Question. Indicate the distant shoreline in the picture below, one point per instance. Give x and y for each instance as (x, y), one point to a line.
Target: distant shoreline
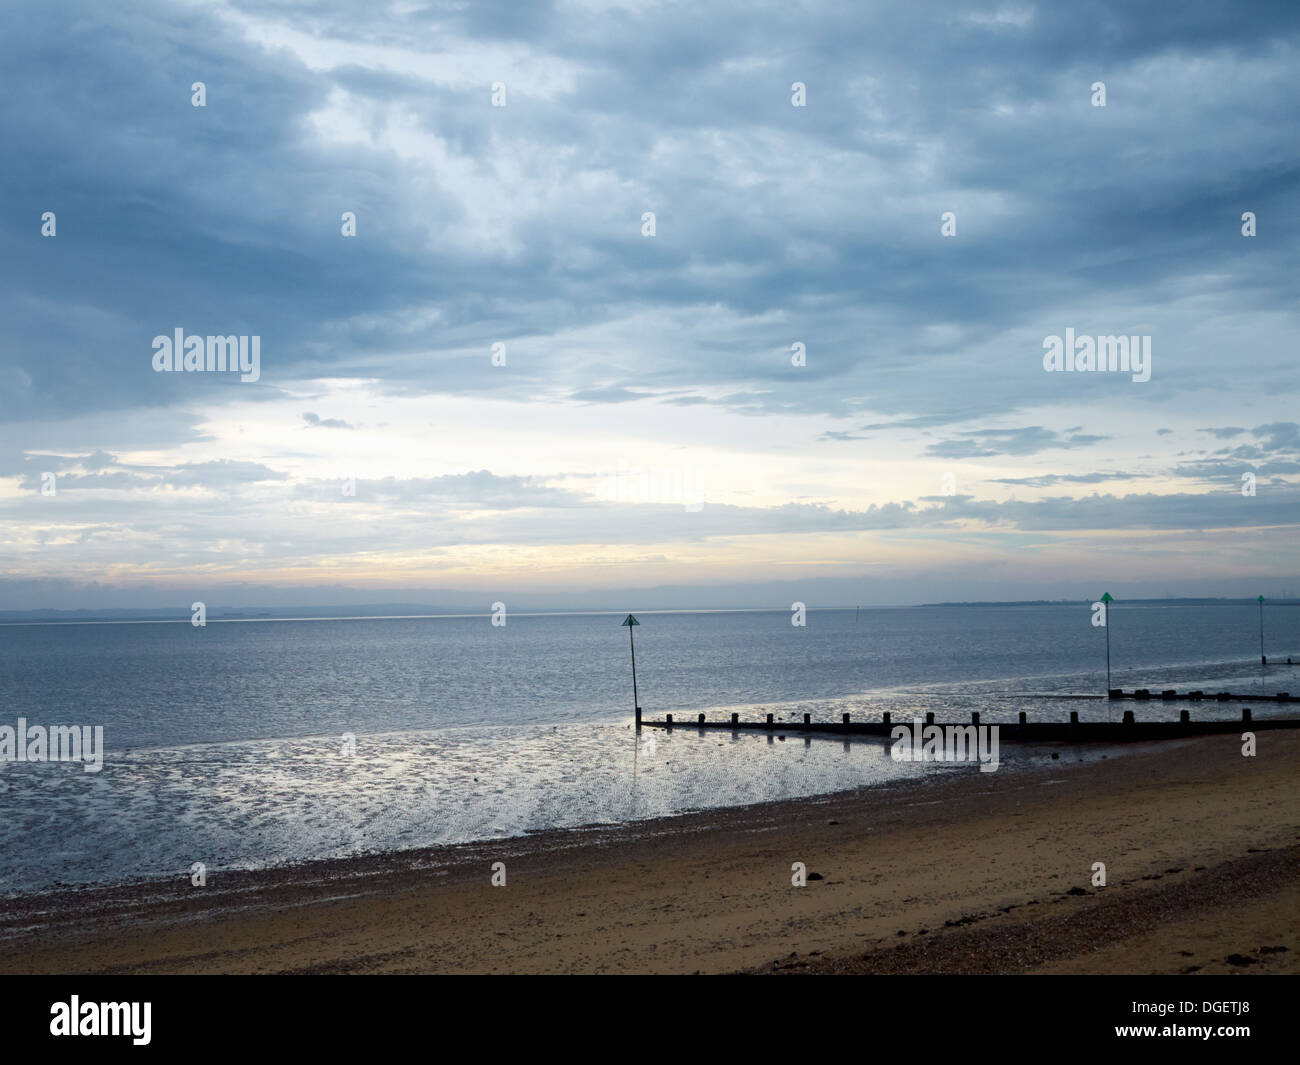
(405, 612)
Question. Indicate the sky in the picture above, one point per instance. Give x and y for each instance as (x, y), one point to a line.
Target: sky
(680, 304)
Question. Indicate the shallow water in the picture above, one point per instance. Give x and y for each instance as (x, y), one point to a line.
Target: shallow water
(226, 745)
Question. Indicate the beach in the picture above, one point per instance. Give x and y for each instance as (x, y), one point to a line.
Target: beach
(964, 872)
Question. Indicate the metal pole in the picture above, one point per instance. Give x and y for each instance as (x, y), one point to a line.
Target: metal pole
(636, 703)
(1108, 650)
(1262, 660)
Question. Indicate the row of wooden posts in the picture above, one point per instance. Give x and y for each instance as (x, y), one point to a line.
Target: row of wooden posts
(887, 720)
(1112, 693)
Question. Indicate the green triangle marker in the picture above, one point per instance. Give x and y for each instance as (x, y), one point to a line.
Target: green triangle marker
(1105, 597)
(630, 620)
(1261, 599)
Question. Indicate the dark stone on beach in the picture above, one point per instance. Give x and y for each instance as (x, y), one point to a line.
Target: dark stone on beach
(1241, 959)
(815, 876)
(1055, 756)
(832, 822)
(970, 918)
(1271, 950)
(1077, 891)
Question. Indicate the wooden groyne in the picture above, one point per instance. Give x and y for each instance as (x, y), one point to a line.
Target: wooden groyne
(1023, 730)
(1169, 695)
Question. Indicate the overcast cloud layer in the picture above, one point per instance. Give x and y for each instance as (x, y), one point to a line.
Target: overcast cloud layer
(649, 427)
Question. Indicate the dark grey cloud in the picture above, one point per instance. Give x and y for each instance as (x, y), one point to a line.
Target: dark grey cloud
(818, 223)
(1274, 453)
(981, 443)
(1279, 436)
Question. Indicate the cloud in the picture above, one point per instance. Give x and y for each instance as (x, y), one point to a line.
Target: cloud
(1050, 479)
(607, 395)
(315, 422)
(982, 443)
(521, 225)
(775, 222)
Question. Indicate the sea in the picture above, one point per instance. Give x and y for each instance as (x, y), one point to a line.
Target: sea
(248, 743)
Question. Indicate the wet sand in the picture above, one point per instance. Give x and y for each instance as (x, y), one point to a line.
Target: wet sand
(969, 872)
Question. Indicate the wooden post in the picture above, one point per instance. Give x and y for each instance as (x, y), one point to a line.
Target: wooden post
(1024, 718)
(887, 719)
(929, 718)
(807, 719)
(1074, 717)
(735, 720)
(846, 719)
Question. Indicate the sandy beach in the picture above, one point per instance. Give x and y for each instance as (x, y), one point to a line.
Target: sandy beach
(967, 873)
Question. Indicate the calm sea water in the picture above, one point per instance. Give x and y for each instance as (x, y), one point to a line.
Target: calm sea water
(225, 743)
